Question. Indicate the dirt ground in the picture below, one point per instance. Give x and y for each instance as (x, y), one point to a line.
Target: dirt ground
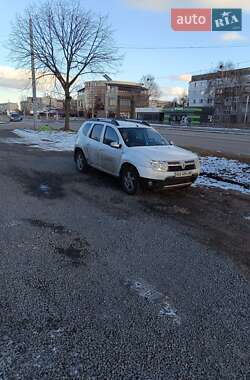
(219, 218)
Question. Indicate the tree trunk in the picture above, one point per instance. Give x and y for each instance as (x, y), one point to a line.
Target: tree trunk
(67, 110)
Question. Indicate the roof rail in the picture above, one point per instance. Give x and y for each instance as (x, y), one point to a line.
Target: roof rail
(106, 120)
(136, 121)
(116, 121)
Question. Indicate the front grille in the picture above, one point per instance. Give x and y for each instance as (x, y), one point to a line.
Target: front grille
(179, 181)
(178, 167)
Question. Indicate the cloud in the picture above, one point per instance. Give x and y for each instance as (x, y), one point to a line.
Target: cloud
(164, 5)
(12, 78)
(169, 93)
(233, 36)
(181, 78)
(19, 79)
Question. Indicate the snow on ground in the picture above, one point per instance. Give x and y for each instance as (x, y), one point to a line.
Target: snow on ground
(216, 172)
(56, 141)
(225, 174)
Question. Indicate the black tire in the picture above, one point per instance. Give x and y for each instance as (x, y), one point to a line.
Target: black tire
(81, 162)
(130, 180)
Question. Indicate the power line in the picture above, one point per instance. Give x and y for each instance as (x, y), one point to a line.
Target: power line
(181, 47)
(172, 77)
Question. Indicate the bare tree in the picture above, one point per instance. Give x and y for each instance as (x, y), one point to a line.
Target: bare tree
(224, 66)
(149, 82)
(183, 99)
(69, 42)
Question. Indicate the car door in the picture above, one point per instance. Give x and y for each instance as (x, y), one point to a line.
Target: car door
(94, 145)
(110, 157)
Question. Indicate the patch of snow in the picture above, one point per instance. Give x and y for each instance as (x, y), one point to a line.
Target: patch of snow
(225, 174)
(44, 188)
(53, 141)
(152, 295)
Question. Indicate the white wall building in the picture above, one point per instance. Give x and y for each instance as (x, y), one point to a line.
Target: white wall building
(8, 107)
(201, 93)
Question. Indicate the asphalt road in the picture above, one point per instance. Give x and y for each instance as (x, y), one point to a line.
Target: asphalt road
(229, 143)
(99, 285)
(232, 142)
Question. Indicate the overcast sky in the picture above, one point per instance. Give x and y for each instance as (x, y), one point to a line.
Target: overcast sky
(144, 23)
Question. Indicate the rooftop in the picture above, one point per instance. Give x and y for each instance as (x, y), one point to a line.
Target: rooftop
(223, 73)
(114, 83)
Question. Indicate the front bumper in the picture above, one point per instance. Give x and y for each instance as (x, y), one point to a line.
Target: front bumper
(169, 182)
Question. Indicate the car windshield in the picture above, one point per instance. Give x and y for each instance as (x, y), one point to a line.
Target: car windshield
(142, 137)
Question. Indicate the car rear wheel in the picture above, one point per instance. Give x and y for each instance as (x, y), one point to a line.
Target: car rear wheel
(81, 162)
(130, 180)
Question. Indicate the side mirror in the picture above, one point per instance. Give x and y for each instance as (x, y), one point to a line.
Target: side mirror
(115, 145)
(171, 142)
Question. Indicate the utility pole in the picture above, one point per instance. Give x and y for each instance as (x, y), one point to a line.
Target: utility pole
(246, 111)
(33, 74)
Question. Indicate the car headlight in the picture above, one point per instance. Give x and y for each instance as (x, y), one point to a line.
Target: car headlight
(197, 164)
(160, 166)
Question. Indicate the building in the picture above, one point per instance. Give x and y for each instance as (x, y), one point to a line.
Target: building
(157, 103)
(201, 92)
(150, 114)
(227, 92)
(46, 104)
(111, 98)
(174, 115)
(6, 108)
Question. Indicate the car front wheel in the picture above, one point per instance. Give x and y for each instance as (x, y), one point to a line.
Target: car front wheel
(130, 180)
(81, 162)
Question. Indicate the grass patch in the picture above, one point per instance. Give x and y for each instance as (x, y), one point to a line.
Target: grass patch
(45, 128)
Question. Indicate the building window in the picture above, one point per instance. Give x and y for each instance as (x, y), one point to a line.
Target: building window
(112, 102)
(125, 102)
(201, 100)
(194, 101)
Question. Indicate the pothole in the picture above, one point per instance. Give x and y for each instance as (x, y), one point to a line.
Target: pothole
(76, 251)
(63, 241)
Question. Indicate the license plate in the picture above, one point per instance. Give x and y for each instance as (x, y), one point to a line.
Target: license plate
(185, 173)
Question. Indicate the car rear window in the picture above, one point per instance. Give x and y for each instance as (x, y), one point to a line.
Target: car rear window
(86, 128)
(96, 132)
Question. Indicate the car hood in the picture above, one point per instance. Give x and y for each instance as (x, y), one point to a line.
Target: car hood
(162, 153)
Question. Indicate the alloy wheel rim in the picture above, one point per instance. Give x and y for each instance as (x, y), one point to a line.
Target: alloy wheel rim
(129, 181)
(80, 162)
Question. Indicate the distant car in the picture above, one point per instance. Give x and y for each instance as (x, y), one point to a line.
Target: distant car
(136, 153)
(14, 116)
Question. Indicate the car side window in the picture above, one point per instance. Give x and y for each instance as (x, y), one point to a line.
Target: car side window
(96, 132)
(86, 128)
(110, 136)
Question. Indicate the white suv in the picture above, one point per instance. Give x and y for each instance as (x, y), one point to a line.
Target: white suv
(134, 152)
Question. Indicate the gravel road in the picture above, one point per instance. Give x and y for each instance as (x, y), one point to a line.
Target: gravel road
(99, 285)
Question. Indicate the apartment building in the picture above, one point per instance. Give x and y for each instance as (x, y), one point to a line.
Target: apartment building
(47, 103)
(111, 98)
(227, 92)
(6, 108)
